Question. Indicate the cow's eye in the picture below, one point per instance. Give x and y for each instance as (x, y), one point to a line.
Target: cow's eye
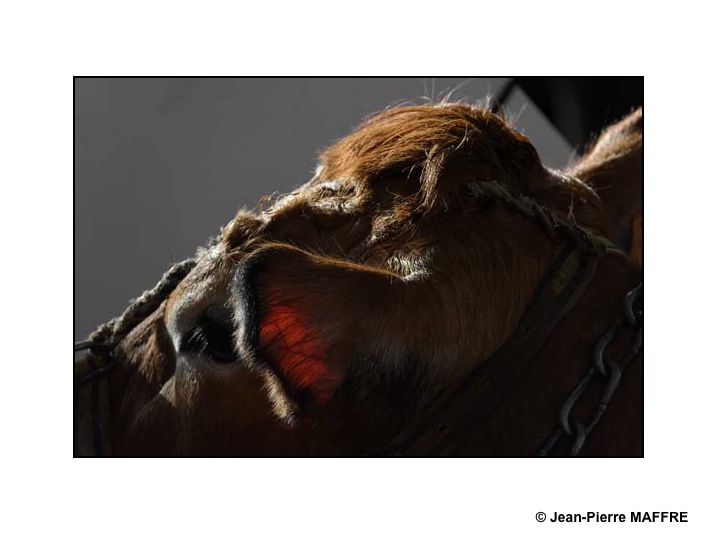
(212, 335)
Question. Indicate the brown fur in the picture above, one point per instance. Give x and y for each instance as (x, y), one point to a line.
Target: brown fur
(393, 282)
(614, 168)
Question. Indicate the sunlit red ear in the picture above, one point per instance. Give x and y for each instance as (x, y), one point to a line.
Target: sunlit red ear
(303, 314)
(291, 340)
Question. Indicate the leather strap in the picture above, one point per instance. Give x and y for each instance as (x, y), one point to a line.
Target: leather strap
(91, 434)
(456, 413)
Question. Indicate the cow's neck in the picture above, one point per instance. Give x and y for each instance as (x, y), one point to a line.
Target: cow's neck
(529, 412)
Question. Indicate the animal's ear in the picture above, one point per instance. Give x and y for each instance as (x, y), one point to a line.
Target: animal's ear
(305, 314)
(614, 168)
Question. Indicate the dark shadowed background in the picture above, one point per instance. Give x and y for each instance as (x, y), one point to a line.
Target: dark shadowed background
(162, 163)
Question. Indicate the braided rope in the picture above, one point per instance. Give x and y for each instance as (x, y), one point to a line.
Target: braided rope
(554, 225)
(108, 334)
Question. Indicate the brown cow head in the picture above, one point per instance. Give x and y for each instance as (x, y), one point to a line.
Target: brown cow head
(321, 324)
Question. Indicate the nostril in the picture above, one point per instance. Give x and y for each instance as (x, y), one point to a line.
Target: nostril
(212, 335)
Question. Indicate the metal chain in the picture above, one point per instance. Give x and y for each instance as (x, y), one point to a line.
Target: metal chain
(601, 369)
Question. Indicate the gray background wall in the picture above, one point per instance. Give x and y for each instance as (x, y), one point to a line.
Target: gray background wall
(161, 164)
